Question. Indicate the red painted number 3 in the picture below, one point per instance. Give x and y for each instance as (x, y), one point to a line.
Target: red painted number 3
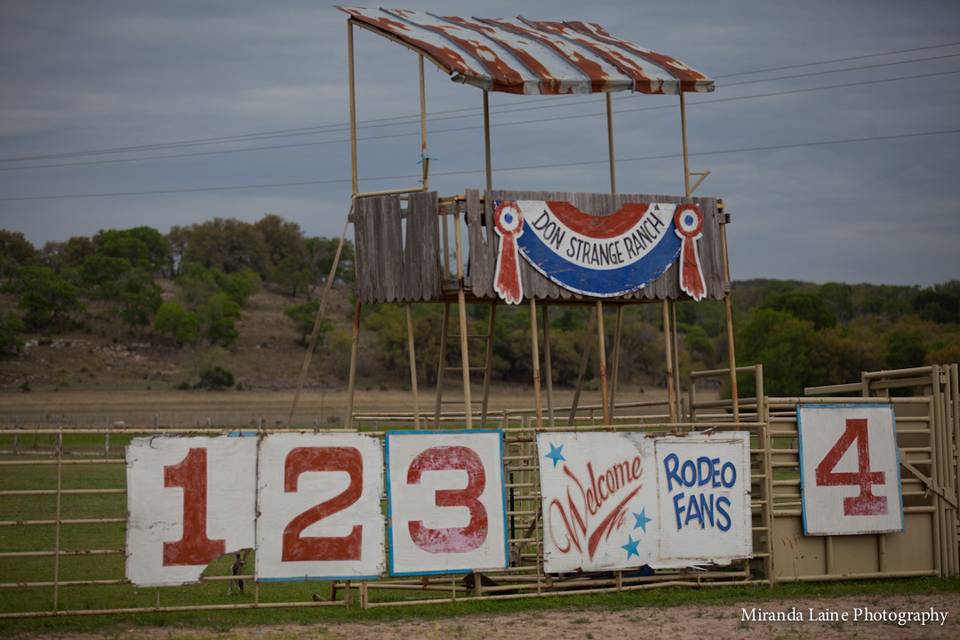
(452, 539)
(864, 503)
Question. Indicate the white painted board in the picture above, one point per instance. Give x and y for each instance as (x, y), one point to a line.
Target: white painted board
(190, 500)
(850, 469)
(599, 497)
(704, 498)
(619, 501)
(318, 503)
(446, 501)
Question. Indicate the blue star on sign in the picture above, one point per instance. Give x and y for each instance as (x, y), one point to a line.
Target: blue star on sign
(642, 520)
(555, 454)
(631, 547)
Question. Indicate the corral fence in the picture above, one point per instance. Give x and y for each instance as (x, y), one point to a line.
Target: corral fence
(63, 508)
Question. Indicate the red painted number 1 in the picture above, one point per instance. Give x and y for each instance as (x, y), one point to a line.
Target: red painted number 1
(193, 547)
(864, 503)
(452, 539)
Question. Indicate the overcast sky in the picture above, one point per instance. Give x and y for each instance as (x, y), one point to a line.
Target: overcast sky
(89, 76)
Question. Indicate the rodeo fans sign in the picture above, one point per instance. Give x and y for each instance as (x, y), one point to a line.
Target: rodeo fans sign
(602, 256)
(310, 504)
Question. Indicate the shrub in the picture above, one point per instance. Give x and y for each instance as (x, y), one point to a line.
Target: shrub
(215, 378)
(175, 322)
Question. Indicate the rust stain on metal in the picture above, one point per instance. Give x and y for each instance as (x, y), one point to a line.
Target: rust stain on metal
(533, 57)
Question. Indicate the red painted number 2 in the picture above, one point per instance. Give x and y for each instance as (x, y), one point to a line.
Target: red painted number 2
(864, 503)
(193, 547)
(303, 460)
(452, 539)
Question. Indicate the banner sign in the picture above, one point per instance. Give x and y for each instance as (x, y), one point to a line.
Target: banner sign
(601, 256)
(849, 469)
(318, 503)
(190, 501)
(445, 496)
(614, 501)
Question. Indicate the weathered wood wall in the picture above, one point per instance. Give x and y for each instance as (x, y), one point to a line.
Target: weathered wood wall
(397, 264)
(483, 246)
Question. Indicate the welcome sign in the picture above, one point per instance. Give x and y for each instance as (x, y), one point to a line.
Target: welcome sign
(602, 256)
(615, 501)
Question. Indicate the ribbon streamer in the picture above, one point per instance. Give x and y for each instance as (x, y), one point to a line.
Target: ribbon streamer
(688, 225)
(508, 223)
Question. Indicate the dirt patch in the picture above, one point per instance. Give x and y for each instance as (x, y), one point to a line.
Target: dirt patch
(688, 622)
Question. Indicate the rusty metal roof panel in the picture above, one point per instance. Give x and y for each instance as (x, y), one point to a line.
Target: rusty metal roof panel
(533, 57)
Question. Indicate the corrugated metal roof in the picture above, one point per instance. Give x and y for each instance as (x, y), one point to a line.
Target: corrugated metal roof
(526, 56)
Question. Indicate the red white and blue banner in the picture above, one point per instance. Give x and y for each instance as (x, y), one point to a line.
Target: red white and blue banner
(600, 256)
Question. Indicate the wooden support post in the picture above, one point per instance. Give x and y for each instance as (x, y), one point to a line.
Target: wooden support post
(584, 360)
(424, 158)
(610, 150)
(487, 363)
(354, 349)
(411, 350)
(728, 308)
(488, 162)
(315, 332)
(547, 362)
(615, 374)
(535, 356)
(602, 353)
(354, 180)
(442, 363)
(668, 351)
(675, 345)
(462, 312)
(59, 512)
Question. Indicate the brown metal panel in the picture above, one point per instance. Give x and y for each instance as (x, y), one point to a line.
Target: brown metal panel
(855, 554)
(912, 549)
(796, 555)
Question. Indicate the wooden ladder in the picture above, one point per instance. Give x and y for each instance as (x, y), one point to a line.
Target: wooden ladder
(464, 335)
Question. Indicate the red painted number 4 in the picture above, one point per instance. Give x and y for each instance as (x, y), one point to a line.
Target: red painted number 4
(864, 503)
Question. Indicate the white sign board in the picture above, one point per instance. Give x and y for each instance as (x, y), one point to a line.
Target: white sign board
(599, 494)
(318, 500)
(849, 469)
(445, 496)
(190, 501)
(623, 500)
(704, 490)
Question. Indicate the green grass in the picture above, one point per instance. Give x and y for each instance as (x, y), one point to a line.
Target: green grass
(666, 597)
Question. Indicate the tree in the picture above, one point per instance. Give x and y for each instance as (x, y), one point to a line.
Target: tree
(175, 322)
(10, 328)
(45, 297)
(15, 251)
(787, 348)
(283, 239)
(940, 303)
(218, 317)
(803, 306)
(303, 317)
(905, 347)
(69, 254)
(229, 245)
(101, 274)
(139, 298)
(142, 247)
